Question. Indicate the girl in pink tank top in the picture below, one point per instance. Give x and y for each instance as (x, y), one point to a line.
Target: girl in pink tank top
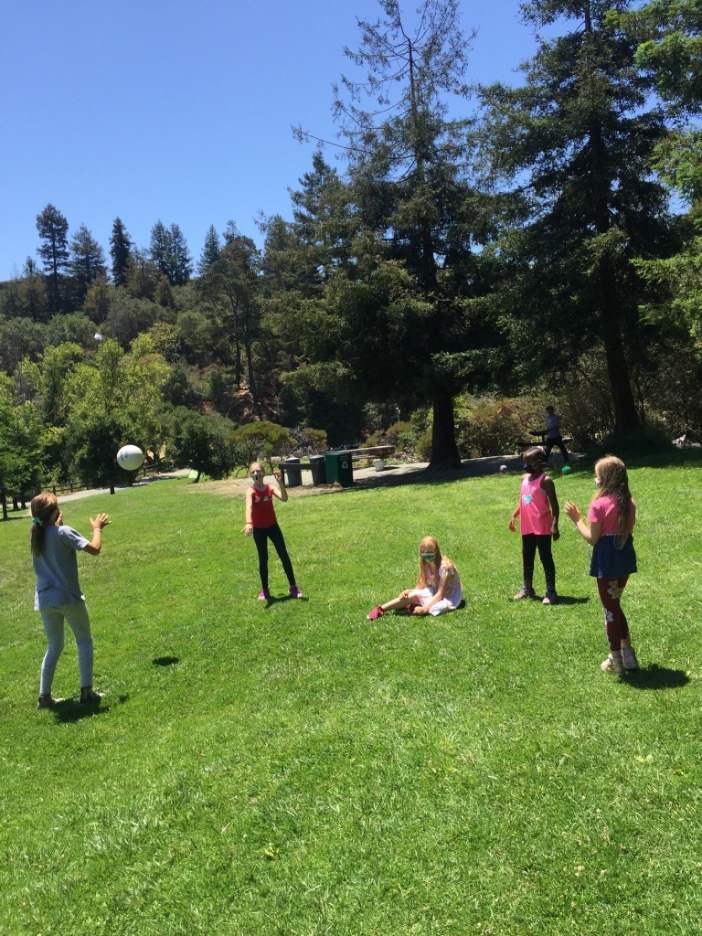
(537, 511)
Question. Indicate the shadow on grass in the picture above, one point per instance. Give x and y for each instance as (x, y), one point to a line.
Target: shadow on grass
(69, 710)
(165, 661)
(282, 599)
(656, 677)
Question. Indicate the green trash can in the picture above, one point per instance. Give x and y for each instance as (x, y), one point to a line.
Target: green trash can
(338, 468)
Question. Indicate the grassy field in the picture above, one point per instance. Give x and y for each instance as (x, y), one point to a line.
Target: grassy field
(298, 770)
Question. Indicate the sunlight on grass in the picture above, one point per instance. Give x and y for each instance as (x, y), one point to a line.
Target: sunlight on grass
(298, 770)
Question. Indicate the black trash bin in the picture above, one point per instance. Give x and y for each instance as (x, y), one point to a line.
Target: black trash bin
(339, 468)
(319, 473)
(293, 472)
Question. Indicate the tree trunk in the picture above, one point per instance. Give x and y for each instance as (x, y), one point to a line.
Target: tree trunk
(626, 418)
(444, 451)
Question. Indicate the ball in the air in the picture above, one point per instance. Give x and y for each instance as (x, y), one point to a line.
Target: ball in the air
(503, 469)
(566, 469)
(130, 457)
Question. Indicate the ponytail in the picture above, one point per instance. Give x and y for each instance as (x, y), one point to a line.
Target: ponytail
(42, 507)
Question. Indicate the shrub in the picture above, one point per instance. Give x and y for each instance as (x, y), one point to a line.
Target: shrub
(258, 441)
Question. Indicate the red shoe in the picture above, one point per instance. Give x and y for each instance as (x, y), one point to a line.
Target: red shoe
(376, 613)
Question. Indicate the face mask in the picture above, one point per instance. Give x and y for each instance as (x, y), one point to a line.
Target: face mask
(256, 475)
(428, 557)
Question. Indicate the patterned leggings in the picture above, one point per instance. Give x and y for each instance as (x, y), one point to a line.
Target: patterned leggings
(616, 626)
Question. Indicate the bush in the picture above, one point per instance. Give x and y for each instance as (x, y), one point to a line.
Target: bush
(400, 434)
(492, 425)
(258, 441)
(202, 442)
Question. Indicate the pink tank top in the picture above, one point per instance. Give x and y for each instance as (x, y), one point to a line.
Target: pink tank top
(534, 508)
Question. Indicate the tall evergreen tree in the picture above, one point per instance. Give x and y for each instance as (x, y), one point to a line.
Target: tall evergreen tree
(120, 250)
(160, 248)
(578, 137)
(180, 264)
(232, 284)
(53, 231)
(410, 186)
(669, 33)
(87, 262)
(210, 250)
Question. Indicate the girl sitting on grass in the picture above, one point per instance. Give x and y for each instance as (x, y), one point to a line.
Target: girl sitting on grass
(261, 522)
(438, 587)
(58, 597)
(610, 521)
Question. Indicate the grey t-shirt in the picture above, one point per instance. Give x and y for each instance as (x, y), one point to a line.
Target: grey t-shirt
(57, 568)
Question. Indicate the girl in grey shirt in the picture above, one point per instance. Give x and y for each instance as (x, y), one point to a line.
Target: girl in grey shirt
(58, 597)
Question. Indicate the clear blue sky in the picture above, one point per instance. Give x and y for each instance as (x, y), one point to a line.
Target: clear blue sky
(180, 111)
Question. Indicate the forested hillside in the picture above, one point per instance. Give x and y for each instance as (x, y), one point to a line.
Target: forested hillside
(478, 251)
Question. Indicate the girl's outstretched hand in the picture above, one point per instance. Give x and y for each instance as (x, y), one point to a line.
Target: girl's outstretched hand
(572, 511)
(278, 475)
(97, 523)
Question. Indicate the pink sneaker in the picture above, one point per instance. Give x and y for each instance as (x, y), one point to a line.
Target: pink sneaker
(375, 613)
(295, 592)
(263, 596)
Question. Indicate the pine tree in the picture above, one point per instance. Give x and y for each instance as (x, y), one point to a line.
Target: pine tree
(120, 249)
(160, 248)
(210, 250)
(578, 138)
(53, 231)
(180, 264)
(87, 262)
(409, 185)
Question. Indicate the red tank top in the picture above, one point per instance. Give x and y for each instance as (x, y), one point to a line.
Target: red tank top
(262, 511)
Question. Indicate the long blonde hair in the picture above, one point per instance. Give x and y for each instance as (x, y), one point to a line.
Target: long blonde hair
(42, 507)
(429, 544)
(614, 481)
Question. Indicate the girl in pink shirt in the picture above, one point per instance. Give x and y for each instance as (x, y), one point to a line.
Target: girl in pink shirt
(537, 511)
(608, 529)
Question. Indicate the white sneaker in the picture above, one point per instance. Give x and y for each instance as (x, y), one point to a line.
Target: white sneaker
(629, 660)
(613, 663)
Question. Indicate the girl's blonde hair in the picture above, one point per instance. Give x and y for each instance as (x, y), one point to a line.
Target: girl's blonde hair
(429, 543)
(614, 481)
(42, 507)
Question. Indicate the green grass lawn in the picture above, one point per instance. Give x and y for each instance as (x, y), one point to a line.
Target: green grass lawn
(298, 770)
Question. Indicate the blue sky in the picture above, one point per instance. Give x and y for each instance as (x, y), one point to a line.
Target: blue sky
(180, 111)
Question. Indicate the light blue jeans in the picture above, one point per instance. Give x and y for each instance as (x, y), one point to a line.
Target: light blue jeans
(77, 616)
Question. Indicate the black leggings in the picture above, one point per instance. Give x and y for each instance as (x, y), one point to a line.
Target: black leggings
(530, 543)
(261, 536)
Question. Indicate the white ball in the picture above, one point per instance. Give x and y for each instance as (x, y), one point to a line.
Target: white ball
(503, 468)
(130, 457)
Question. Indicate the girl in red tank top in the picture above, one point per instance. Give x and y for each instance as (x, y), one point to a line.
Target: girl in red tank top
(537, 511)
(261, 523)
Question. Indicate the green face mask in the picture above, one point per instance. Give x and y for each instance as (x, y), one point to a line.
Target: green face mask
(428, 557)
